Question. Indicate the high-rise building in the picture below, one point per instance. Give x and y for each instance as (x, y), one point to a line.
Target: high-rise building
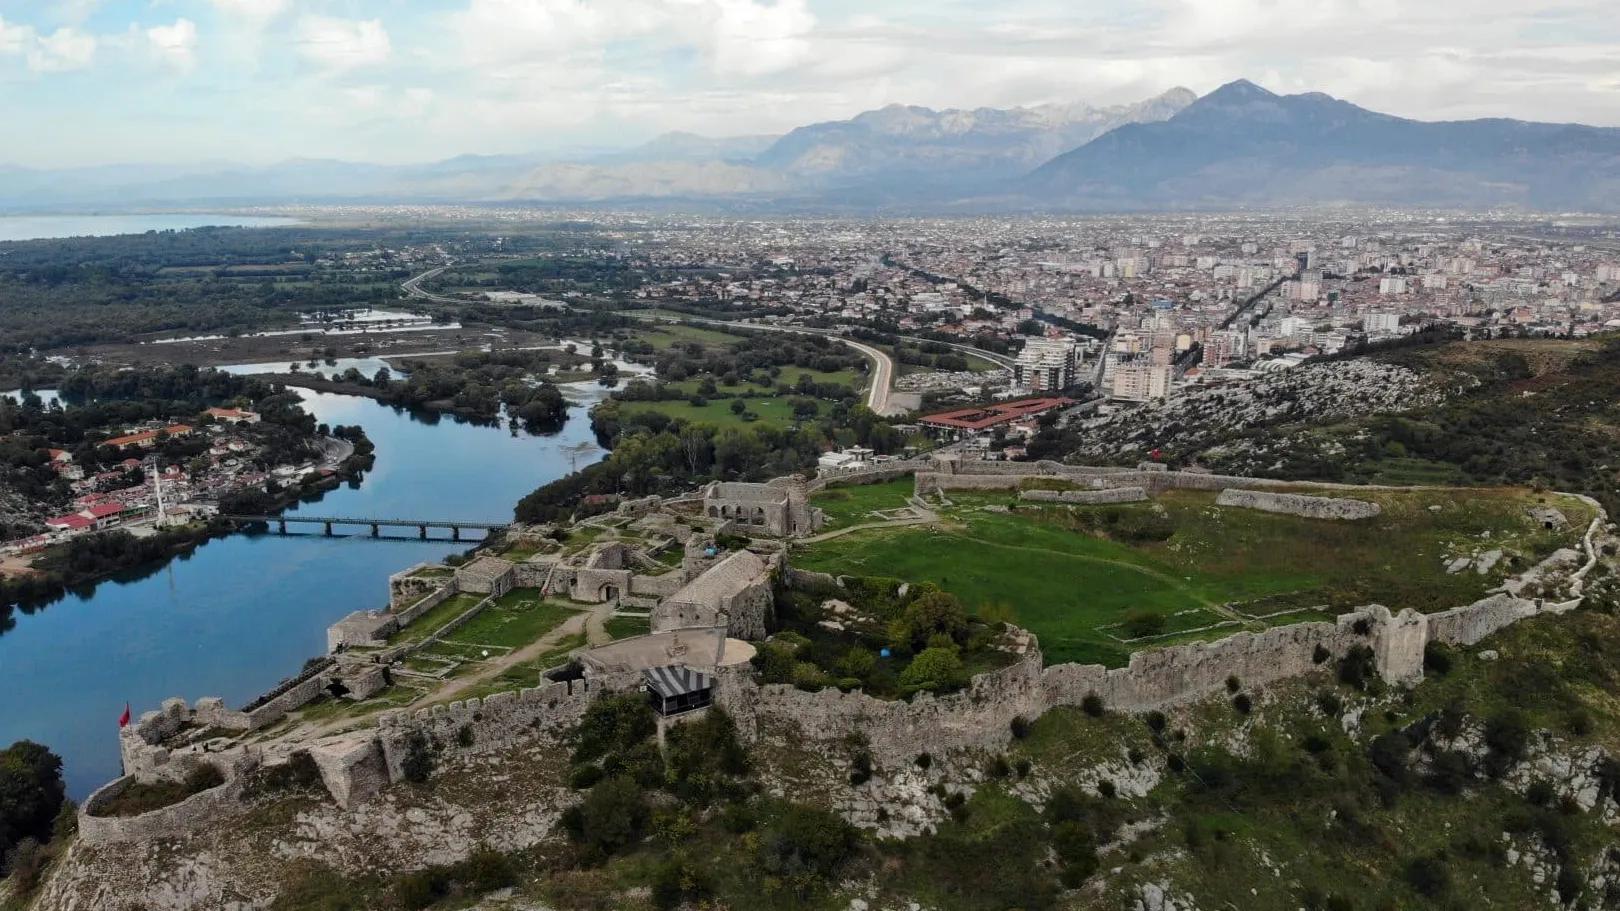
(1141, 382)
(1046, 365)
(1383, 322)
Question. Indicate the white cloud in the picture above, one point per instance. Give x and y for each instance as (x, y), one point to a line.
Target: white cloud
(62, 50)
(750, 39)
(15, 39)
(343, 44)
(75, 12)
(175, 45)
(256, 12)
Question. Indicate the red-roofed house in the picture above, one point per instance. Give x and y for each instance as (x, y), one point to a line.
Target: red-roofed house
(74, 522)
(105, 514)
(146, 439)
(233, 415)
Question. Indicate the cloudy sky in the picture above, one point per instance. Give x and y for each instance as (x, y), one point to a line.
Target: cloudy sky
(102, 81)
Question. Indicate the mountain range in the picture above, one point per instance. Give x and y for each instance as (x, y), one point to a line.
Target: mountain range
(1244, 145)
(1238, 146)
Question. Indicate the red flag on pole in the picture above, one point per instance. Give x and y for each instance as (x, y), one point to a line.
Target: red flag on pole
(123, 720)
(1154, 454)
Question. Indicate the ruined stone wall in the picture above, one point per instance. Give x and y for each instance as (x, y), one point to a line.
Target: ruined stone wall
(1294, 504)
(188, 817)
(591, 585)
(927, 483)
(979, 717)
(1468, 625)
(448, 590)
(492, 723)
(1158, 481)
(351, 766)
(1085, 497)
(864, 476)
(658, 586)
(1158, 677)
(405, 587)
(294, 697)
(1044, 469)
(750, 612)
(793, 577)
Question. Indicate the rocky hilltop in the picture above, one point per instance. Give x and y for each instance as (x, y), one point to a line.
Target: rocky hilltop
(1376, 758)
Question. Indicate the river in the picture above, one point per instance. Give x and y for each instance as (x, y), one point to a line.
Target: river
(38, 227)
(243, 612)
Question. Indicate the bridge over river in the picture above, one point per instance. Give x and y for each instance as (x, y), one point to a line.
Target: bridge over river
(376, 525)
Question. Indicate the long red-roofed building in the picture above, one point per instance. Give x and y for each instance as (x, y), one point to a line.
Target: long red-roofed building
(973, 420)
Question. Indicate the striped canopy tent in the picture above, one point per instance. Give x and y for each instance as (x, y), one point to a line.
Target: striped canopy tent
(677, 689)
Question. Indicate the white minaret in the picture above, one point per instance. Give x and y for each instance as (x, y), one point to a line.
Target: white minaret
(157, 485)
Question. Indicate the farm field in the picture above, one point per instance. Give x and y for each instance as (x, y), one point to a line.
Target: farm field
(1090, 581)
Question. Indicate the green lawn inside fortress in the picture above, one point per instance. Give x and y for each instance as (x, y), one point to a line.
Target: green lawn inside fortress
(1220, 570)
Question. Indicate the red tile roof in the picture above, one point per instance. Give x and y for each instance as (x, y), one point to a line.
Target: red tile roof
(982, 418)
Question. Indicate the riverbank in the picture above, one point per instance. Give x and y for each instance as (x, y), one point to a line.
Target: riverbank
(236, 613)
(140, 548)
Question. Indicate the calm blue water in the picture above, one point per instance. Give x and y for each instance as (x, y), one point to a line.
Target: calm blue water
(244, 612)
(35, 227)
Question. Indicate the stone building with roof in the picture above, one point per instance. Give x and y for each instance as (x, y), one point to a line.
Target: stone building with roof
(734, 595)
(780, 507)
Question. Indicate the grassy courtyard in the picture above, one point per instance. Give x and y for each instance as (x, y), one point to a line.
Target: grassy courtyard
(1074, 575)
(515, 619)
(854, 505)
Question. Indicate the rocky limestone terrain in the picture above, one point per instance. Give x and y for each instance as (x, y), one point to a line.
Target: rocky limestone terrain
(1203, 419)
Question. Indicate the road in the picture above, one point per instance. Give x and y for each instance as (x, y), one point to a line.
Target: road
(413, 287)
(877, 392)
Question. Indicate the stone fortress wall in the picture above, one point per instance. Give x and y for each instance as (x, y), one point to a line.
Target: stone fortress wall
(1294, 504)
(358, 764)
(1085, 497)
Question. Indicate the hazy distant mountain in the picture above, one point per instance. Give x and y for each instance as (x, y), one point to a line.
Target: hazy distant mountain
(692, 147)
(1243, 145)
(970, 147)
(660, 179)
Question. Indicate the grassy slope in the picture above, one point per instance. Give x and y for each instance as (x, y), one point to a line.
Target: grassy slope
(1070, 588)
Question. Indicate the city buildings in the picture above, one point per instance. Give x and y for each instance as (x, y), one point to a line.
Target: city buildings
(1046, 365)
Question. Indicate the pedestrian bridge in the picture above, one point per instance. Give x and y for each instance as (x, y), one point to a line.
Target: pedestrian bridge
(376, 525)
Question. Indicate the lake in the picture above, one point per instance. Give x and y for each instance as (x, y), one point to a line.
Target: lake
(243, 612)
(37, 227)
